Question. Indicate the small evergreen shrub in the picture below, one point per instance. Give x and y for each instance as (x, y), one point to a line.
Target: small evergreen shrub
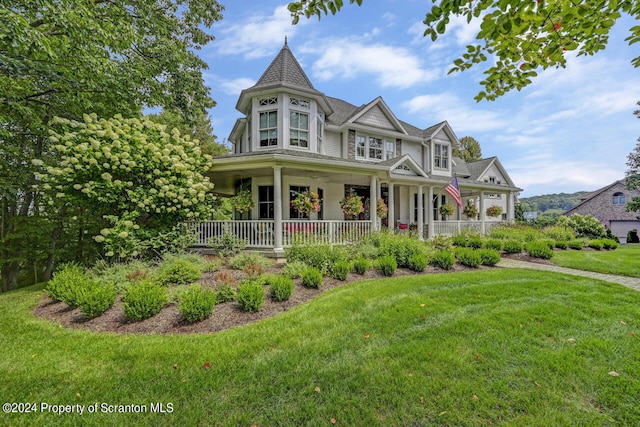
(492, 244)
(340, 270)
(539, 249)
(400, 246)
(319, 256)
(66, 284)
(252, 259)
(225, 293)
(559, 232)
(469, 257)
(444, 259)
(489, 257)
(196, 304)
(459, 240)
(226, 245)
(417, 262)
(609, 244)
(178, 271)
(360, 266)
(312, 277)
(252, 269)
(475, 242)
(387, 265)
(266, 279)
(576, 244)
(250, 296)
(143, 300)
(632, 236)
(94, 299)
(282, 288)
(549, 242)
(294, 269)
(441, 242)
(512, 246)
(596, 244)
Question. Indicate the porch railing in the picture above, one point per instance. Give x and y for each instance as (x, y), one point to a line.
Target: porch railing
(257, 233)
(450, 228)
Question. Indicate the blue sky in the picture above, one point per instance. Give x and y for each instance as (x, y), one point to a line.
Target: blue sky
(571, 130)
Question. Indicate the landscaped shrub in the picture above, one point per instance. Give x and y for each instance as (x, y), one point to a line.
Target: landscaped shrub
(312, 277)
(143, 300)
(609, 244)
(196, 304)
(444, 259)
(539, 249)
(440, 242)
(495, 244)
(459, 240)
(400, 246)
(489, 257)
(468, 256)
(225, 293)
(282, 288)
(250, 296)
(252, 259)
(576, 244)
(584, 226)
(120, 275)
(66, 284)
(387, 265)
(252, 269)
(562, 244)
(475, 242)
(549, 242)
(596, 244)
(417, 262)
(266, 279)
(226, 245)
(294, 269)
(340, 270)
(559, 232)
(632, 236)
(360, 265)
(94, 299)
(321, 257)
(512, 247)
(178, 271)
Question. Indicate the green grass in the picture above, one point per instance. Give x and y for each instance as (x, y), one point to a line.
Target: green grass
(624, 261)
(487, 347)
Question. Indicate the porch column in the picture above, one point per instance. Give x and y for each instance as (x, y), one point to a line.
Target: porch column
(391, 214)
(277, 209)
(510, 207)
(482, 213)
(430, 226)
(420, 222)
(373, 202)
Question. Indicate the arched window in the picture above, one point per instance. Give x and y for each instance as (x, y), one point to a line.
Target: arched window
(618, 198)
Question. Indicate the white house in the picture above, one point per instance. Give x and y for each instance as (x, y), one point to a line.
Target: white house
(293, 138)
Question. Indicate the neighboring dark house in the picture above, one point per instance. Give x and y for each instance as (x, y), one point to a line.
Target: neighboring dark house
(608, 206)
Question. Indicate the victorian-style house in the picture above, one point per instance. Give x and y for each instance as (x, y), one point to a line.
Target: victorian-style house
(302, 160)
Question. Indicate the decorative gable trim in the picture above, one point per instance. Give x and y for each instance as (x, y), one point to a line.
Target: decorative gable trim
(494, 162)
(405, 165)
(379, 115)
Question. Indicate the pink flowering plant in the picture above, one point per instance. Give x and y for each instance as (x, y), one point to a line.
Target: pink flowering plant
(306, 202)
(352, 204)
(242, 202)
(381, 209)
(494, 211)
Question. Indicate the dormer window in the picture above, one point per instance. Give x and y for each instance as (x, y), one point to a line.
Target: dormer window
(372, 148)
(268, 128)
(441, 156)
(618, 198)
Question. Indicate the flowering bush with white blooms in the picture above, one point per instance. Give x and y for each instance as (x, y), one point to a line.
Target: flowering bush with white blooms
(136, 177)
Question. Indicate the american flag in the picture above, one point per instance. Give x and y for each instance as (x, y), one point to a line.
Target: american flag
(454, 191)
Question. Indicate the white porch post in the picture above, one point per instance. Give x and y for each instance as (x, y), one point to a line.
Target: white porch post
(420, 222)
(510, 207)
(391, 214)
(482, 213)
(277, 209)
(373, 202)
(430, 225)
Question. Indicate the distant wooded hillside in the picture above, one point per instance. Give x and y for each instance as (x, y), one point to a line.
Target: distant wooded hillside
(547, 202)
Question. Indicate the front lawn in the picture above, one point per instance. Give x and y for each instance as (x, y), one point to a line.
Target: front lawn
(624, 261)
(492, 347)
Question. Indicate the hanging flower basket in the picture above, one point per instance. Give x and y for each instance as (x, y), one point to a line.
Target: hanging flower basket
(471, 211)
(494, 211)
(242, 202)
(352, 205)
(446, 210)
(381, 209)
(306, 202)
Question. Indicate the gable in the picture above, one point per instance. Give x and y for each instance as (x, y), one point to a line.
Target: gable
(493, 172)
(405, 166)
(377, 118)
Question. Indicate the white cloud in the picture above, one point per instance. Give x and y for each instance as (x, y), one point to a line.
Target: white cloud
(257, 35)
(390, 66)
(235, 86)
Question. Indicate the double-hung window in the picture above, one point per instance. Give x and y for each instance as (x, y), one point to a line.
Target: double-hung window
(441, 156)
(618, 198)
(268, 128)
(389, 149)
(372, 148)
(298, 129)
(265, 201)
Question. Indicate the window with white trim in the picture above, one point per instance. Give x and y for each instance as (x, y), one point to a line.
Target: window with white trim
(268, 101)
(441, 156)
(298, 129)
(299, 102)
(618, 198)
(389, 149)
(268, 128)
(373, 148)
(320, 134)
(265, 202)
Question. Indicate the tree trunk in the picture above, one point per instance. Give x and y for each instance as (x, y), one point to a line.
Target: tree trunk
(52, 252)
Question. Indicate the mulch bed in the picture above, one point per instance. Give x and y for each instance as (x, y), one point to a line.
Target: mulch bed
(225, 315)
